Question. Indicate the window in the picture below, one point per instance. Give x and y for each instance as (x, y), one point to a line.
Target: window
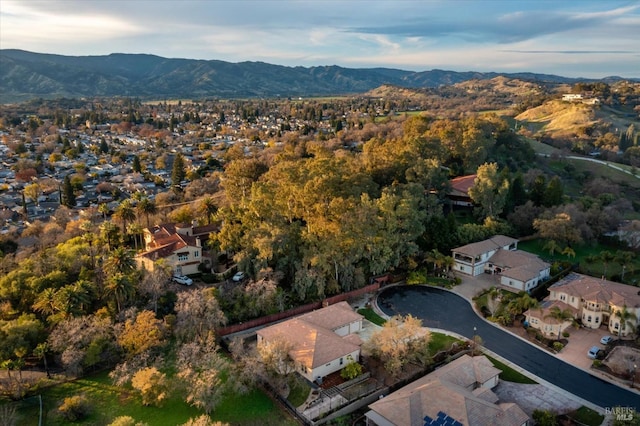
(589, 319)
(616, 326)
(196, 253)
(341, 361)
(183, 257)
(597, 319)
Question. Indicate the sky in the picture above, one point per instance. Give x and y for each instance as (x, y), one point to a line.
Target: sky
(573, 38)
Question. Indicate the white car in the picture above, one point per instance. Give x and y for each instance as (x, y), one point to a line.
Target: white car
(182, 279)
(606, 340)
(239, 276)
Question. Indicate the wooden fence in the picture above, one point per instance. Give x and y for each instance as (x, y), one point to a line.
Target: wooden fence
(235, 328)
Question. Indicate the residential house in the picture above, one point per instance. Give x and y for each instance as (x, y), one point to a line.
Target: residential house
(518, 270)
(180, 245)
(458, 195)
(457, 394)
(593, 301)
(322, 341)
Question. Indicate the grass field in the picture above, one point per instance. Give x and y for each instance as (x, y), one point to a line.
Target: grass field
(370, 315)
(509, 374)
(109, 402)
(587, 265)
(440, 342)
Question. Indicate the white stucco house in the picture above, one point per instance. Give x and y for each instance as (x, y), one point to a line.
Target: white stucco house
(180, 245)
(596, 302)
(323, 341)
(518, 270)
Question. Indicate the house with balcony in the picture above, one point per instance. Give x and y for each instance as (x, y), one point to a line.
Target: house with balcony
(322, 342)
(180, 245)
(499, 255)
(458, 193)
(460, 393)
(595, 302)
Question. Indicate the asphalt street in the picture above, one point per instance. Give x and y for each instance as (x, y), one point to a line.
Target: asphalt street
(442, 309)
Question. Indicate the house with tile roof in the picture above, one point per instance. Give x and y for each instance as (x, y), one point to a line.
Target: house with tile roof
(518, 270)
(180, 245)
(322, 341)
(457, 394)
(458, 195)
(595, 302)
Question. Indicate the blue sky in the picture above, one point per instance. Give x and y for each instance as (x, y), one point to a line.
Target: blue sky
(571, 38)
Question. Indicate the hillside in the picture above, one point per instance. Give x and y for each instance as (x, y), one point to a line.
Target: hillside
(26, 75)
(558, 119)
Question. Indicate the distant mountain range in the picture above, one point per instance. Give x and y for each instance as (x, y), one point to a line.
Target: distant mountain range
(27, 75)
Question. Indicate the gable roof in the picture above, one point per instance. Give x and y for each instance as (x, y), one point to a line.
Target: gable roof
(461, 185)
(519, 265)
(490, 244)
(332, 317)
(314, 343)
(443, 393)
(598, 290)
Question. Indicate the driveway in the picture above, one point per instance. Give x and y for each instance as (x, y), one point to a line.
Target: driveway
(438, 308)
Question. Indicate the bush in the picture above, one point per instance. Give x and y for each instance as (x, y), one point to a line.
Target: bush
(544, 418)
(208, 278)
(352, 370)
(565, 334)
(417, 277)
(75, 408)
(557, 346)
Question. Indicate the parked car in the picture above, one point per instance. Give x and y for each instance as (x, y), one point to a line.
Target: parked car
(239, 276)
(182, 279)
(593, 352)
(606, 340)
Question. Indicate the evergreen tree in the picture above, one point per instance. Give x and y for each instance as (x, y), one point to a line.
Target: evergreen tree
(553, 194)
(68, 197)
(137, 167)
(178, 173)
(104, 147)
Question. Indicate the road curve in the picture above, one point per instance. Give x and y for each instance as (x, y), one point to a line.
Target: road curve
(442, 309)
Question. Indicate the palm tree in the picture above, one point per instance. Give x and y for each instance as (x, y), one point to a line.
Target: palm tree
(606, 257)
(208, 208)
(146, 207)
(40, 351)
(627, 319)
(120, 287)
(104, 209)
(591, 260)
(624, 258)
(125, 214)
(552, 247)
(46, 303)
(560, 315)
(135, 230)
(569, 252)
(120, 261)
(110, 233)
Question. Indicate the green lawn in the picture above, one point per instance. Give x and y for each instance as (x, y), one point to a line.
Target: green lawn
(509, 374)
(299, 391)
(370, 315)
(110, 401)
(440, 342)
(587, 416)
(594, 268)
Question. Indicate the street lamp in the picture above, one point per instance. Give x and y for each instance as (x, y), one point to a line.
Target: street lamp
(633, 376)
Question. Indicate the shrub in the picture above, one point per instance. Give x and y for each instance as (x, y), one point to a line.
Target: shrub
(544, 418)
(75, 408)
(352, 370)
(565, 334)
(557, 346)
(417, 277)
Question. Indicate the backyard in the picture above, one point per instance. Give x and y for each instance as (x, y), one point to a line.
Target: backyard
(109, 401)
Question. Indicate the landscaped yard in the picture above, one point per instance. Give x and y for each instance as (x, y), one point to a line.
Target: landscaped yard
(108, 402)
(370, 315)
(440, 342)
(587, 258)
(509, 374)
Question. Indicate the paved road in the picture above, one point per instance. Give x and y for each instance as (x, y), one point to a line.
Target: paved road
(441, 309)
